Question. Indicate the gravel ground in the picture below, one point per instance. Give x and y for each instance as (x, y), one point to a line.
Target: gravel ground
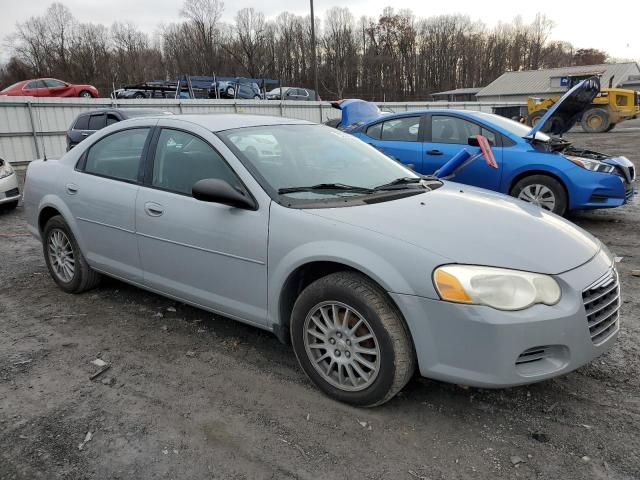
(193, 396)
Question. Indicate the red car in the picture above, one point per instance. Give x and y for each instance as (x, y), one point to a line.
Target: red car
(49, 87)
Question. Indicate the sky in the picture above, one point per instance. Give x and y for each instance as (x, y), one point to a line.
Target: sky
(584, 25)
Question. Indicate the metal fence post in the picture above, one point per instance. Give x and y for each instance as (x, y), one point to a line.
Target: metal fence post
(33, 130)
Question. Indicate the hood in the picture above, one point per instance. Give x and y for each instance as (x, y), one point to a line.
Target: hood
(356, 112)
(624, 166)
(568, 110)
(474, 226)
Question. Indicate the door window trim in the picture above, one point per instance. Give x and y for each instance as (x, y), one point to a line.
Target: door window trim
(149, 162)
(421, 128)
(82, 161)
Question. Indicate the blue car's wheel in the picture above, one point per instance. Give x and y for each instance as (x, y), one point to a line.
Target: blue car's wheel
(543, 191)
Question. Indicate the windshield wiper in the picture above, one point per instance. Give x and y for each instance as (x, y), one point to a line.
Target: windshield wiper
(326, 186)
(404, 182)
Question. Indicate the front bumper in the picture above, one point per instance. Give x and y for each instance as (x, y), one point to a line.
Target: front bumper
(9, 191)
(484, 347)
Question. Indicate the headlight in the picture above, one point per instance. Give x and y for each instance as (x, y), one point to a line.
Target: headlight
(498, 288)
(593, 165)
(5, 169)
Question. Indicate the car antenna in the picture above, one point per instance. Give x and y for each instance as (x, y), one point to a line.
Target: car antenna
(44, 148)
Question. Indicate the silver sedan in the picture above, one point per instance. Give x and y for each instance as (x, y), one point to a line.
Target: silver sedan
(368, 269)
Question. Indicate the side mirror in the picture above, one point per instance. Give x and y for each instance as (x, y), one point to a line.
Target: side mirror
(218, 191)
(473, 141)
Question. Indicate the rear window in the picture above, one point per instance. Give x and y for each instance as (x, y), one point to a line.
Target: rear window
(82, 123)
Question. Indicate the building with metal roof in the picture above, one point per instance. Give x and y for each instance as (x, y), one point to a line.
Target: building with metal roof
(518, 86)
(457, 95)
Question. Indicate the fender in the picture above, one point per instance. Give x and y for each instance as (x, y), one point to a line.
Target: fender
(385, 274)
(53, 201)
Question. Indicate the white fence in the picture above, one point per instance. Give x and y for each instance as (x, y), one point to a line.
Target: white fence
(30, 126)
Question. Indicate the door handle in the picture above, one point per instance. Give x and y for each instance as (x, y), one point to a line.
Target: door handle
(153, 209)
(72, 189)
(433, 152)
(85, 134)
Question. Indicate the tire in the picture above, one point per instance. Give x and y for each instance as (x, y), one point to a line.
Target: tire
(84, 94)
(257, 97)
(231, 92)
(139, 95)
(83, 277)
(595, 120)
(536, 189)
(370, 313)
(533, 117)
(610, 127)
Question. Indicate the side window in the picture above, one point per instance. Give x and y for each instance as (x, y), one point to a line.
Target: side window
(492, 137)
(35, 84)
(182, 159)
(82, 123)
(374, 131)
(96, 122)
(404, 129)
(453, 130)
(111, 119)
(118, 155)
(50, 82)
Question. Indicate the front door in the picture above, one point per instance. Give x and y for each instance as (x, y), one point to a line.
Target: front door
(210, 254)
(447, 136)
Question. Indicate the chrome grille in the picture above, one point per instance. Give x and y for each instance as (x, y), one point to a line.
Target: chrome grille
(602, 305)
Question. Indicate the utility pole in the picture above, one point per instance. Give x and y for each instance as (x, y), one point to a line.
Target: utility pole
(314, 59)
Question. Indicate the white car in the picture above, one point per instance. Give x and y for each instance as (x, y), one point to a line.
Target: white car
(9, 192)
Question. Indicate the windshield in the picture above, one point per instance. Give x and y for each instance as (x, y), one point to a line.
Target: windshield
(286, 157)
(511, 126)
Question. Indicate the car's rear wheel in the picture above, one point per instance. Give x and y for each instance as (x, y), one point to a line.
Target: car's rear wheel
(85, 94)
(139, 95)
(543, 191)
(351, 340)
(231, 92)
(257, 97)
(66, 263)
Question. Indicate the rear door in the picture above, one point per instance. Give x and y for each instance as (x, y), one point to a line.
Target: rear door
(35, 88)
(101, 194)
(399, 138)
(446, 135)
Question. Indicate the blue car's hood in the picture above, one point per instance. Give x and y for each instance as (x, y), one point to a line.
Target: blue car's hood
(623, 165)
(568, 110)
(356, 112)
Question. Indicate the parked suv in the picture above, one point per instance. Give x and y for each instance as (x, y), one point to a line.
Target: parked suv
(238, 88)
(292, 93)
(90, 122)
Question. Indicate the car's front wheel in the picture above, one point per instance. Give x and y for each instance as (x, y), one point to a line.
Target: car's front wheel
(66, 263)
(543, 191)
(85, 94)
(351, 340)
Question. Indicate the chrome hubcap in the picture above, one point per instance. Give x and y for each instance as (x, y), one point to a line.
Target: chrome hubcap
(539, 195)
(342, 346)
(61, 255)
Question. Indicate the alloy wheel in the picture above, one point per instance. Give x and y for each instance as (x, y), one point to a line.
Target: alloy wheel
(342, 346)
(539, 195)
(61, 255)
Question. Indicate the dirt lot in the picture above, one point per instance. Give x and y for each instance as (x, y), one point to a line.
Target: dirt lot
(191, 396)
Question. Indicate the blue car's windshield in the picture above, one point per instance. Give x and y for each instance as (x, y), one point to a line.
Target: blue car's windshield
(511, 126)
(290, 157)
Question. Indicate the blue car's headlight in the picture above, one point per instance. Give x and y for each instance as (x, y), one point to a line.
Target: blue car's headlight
(593, 165)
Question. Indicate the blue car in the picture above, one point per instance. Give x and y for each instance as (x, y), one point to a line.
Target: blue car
(533, 166)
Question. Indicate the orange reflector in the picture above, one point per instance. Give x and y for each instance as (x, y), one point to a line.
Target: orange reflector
(450, 289)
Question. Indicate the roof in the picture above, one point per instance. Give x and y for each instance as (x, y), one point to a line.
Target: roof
(217, 122)
(459, 91)
(531, 82)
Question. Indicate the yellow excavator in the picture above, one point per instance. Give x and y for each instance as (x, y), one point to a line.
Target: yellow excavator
(610, 107)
